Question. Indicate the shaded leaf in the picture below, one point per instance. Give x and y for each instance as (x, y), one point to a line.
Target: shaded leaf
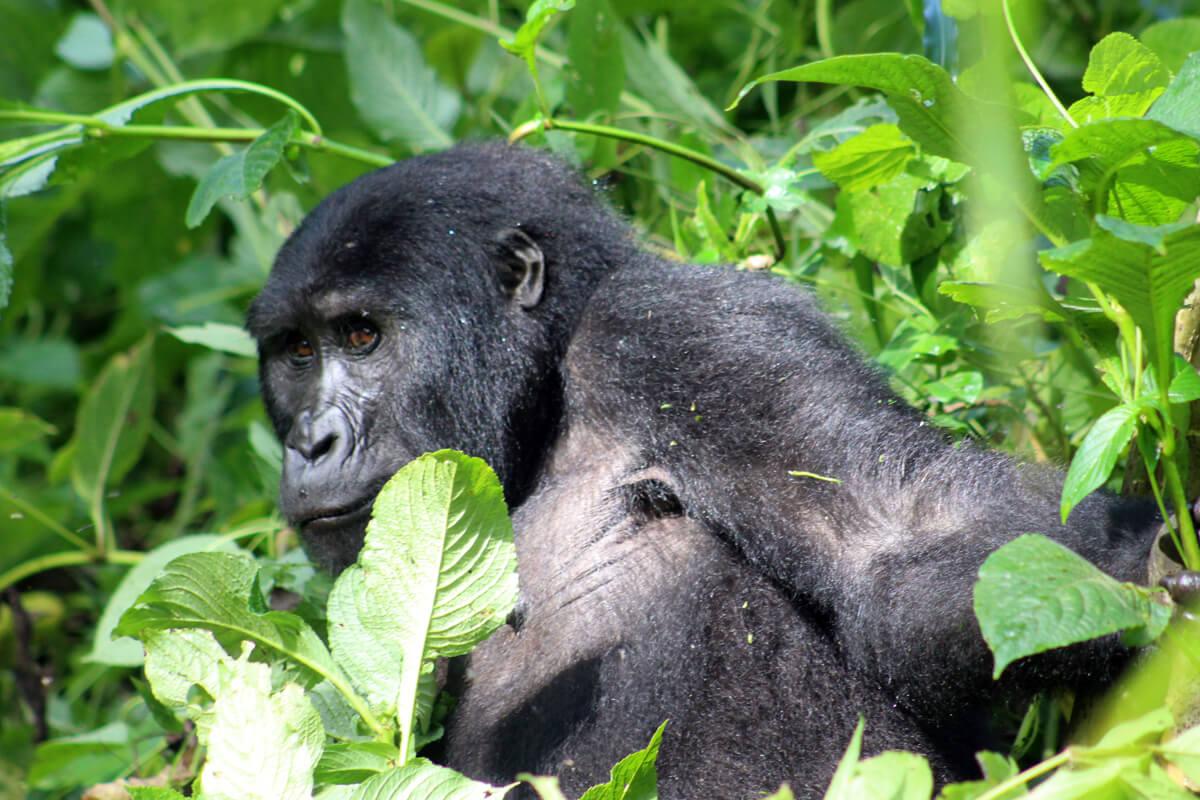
(1097, 455)
(1179, 105)
(397, 94)
(112, 423)
(923, 95)
(1148, 270)
(240, 174)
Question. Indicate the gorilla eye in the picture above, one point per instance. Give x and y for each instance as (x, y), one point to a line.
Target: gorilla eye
(298, 349)
(361, 337)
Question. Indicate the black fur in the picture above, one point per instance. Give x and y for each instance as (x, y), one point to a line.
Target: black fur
(645, 418)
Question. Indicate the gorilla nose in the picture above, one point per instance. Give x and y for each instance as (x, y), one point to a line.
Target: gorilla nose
(315, 437)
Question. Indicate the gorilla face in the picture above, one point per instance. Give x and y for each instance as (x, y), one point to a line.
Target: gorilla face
(384, 332)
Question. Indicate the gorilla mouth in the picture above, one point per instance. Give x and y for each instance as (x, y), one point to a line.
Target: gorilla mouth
(337, 519)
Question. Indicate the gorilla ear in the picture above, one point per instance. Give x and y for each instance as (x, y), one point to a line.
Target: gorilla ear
(520, 267)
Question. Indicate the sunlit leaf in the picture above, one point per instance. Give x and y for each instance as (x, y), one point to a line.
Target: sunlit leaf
(1033, 595)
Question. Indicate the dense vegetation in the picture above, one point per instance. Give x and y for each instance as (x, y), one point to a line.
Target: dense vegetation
(999, 200)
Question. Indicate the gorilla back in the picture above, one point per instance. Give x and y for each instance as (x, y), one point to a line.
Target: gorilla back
(653, 425)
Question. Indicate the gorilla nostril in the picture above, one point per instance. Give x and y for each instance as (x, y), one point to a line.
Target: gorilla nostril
(313, 445)
(322, 447)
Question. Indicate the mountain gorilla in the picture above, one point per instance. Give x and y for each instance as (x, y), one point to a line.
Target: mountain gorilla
(659, 429)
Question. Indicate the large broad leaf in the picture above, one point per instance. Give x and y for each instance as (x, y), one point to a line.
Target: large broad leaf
(260, 743)
(125, 651)
(217, 592)
(436, 575)
(1033, 595)
(395, 91)
(1148, 270)
(218, 336)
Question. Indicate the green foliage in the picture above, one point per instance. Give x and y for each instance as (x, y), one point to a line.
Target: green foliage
(1034, 594)
(992, 239)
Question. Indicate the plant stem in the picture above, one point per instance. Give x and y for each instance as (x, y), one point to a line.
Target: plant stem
(1041, 768)
(730, 174)
(53, 524)
(1037, 75)
(71, 558)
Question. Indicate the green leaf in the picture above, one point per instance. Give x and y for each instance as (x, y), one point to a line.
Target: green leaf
(546, 786)
(218, 336)
(887, 776)
(1110, 142)
(536, 18)
(840, 783)
(596, 72)
(664, 85)
(420, 779)
(260, 743)
(634, 777)
(1185, 386)
(19, 427)
(962, 387)
(875, 156)
(396, 93)
(1033, 595)
(996, 769)
(1003, 300)
(87, 759)
(1120, 64)
(125, 651)
(152, 793)
(1097, 455)
(1148, 270)
(436, 575)
(896, 223)
(1184, 751)
(1179, 105)
(1172, 40)
(923, 95)
(112, 423)
(354, 762)
(213, 25)
(49, 362)
(363, 642)
(87, 44)
(213, 591)
(239, 175)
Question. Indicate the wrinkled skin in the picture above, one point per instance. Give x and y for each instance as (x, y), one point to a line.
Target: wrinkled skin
(645, 418)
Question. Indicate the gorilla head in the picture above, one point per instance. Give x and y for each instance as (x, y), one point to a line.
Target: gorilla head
(406, 315)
